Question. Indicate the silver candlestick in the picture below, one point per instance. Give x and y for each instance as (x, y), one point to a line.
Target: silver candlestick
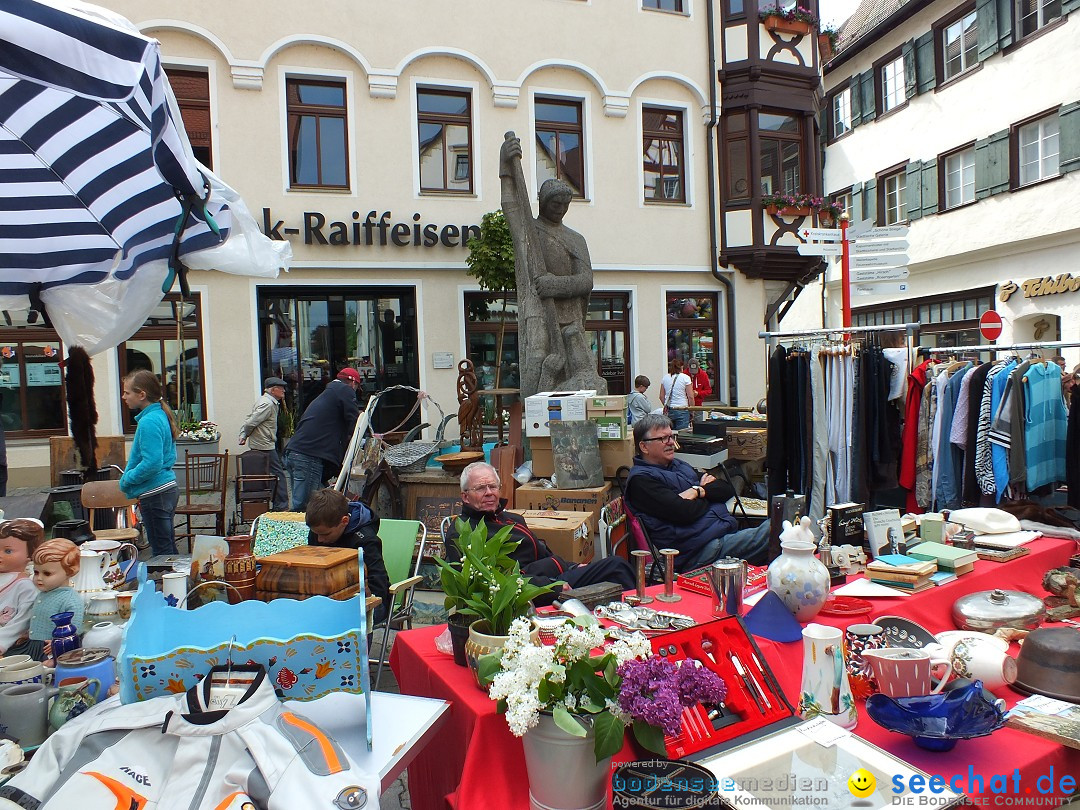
(641, 597)
(669, 594)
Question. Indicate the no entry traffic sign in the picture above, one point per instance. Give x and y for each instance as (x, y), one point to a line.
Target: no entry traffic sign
(990, 325)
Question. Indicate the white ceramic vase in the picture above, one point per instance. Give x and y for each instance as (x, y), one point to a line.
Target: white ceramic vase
(800, 579)
(825, 689)
(563, 771)
(105, 635)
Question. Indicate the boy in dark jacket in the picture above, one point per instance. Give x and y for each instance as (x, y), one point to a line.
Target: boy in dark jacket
(334, 520)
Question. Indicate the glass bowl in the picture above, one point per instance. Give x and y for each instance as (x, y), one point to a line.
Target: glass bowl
(936, 722)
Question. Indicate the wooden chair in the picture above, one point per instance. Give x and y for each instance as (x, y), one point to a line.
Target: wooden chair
(204, 474)
(254, 488)
(107, 495)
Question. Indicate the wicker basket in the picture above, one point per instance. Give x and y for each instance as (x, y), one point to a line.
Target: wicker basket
(413, 456)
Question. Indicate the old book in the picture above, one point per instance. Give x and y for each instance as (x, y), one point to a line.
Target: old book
(884, 532)
(902, 565)
(846, 524)
(921, 584)
(949, 557)
(575, 454)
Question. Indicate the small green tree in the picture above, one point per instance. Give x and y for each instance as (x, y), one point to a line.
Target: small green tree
(491, 263)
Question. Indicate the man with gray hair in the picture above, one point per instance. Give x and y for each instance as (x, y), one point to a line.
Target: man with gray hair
(259, 432)
(480, 503)
(681, 508)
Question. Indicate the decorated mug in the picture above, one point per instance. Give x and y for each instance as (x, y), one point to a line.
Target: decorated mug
(25, 672)
(978, 657)
(858, 638)
(901, 672)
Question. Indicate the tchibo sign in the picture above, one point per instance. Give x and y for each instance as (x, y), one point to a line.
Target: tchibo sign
(374, 229)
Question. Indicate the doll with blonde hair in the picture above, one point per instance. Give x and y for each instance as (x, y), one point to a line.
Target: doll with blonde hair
(19, 540)
(55, 563)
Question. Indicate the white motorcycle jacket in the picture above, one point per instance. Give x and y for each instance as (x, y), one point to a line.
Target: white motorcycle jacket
(178, 753)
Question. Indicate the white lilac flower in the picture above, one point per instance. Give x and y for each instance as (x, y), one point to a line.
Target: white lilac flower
(630, 647)
(617, 712)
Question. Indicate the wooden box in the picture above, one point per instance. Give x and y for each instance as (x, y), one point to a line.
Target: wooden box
(308, 571)
(566, 533)
(588, 501)
(63, 454)
(746, 443)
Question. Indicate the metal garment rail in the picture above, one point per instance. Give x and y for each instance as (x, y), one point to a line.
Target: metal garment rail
(770, 337)
(991, 347)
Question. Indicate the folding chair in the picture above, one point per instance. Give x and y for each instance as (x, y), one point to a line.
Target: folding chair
(399, 541)
(254, 488)
(204, 474)
(654, 570)
(106, 496)
(614, 530)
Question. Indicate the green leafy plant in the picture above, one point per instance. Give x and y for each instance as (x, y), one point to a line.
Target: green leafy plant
(487, 583)
(833, 35)
(790, 14)
(491, 263)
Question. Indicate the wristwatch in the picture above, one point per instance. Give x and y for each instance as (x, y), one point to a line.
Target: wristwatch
(700, 491)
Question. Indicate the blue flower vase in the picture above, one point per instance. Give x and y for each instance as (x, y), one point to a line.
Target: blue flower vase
(65, 636)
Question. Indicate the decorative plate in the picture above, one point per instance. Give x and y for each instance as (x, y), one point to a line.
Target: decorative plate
(846, 606)
(901, 632)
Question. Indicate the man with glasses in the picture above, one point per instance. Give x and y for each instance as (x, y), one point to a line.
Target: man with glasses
(480, 502)
(683, 509)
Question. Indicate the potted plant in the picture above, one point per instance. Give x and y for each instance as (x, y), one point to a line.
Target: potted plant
(491, 262)
(829, 214)
(796, 20)
(485, 591)
(195, 436)
(828, 38)
(791, 205)
(572, 702)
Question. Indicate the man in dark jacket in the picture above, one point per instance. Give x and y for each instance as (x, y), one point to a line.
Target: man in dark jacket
(334, 520)
(683, 509)
(481, 502)
(317, 448)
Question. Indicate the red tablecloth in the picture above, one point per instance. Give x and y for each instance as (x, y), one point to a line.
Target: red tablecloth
(475, 761)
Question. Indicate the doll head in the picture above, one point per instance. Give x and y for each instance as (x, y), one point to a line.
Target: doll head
(55, 562)
(19, 540)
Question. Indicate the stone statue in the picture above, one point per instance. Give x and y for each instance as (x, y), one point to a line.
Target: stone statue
(554, 281)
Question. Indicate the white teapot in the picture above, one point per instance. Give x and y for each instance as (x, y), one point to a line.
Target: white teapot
(90, 578)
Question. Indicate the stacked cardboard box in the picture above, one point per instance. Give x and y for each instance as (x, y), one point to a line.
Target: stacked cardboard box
(609, 414)
(554, 406)
(613, 454)
(588, 501)
(566, 533)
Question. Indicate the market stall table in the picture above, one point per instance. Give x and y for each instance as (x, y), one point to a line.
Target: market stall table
(474, 760)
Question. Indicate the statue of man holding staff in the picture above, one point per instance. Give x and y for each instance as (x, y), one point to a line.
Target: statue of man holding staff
(554, 281)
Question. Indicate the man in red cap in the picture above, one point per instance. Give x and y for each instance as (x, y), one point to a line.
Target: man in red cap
(317, 448)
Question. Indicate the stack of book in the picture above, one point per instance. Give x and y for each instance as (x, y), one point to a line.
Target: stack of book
(950, 560)
(902, 571)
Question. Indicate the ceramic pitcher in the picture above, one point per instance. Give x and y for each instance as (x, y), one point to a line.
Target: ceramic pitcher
(74, 697)
(90, 578)
(116, 574)
(24, 709)
(825, 689)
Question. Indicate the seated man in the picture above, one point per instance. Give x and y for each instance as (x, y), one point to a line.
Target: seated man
(481, 502)
(334, 520)
(684, 510)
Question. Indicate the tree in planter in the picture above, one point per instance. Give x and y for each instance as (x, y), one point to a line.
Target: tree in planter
(491, 263)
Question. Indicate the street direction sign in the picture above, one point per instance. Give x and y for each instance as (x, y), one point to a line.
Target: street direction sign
(881, 232)
(893, 246)
(825, 234)
(880, 274)
(891, 260)
(881, 288)
(820, 249)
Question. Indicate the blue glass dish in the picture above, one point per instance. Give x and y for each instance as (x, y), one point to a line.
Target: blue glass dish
(938, 721)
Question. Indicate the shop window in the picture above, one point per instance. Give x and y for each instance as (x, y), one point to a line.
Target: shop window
(663, 154)
(959, 177)
(444, 119)
(560, 143)
(1031, 15)
(1036, 147)
(192, 91)
(780, 138)
(32, 401)
(692, 329)
(169, 343)
(953, 321)
(606, 324)
(318, 133)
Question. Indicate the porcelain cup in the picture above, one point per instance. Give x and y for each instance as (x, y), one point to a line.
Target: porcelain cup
(24, 709)
(976, 657)
(858, 638)
(13, 660)
(25, 672)
(901, 672)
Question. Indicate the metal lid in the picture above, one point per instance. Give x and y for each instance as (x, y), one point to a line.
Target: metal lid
(989, 610)
(83, 657)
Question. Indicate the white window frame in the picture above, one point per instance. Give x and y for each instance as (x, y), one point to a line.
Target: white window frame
(895, 186)
(841, 113)
(959, 27)
(1047, 142)
(893, 88)
(959, 169)
(420, 83)
(846, 201)
(1041, 20)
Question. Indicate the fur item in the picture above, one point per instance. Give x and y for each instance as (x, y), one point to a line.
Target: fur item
(81, 409)
(1026, 510)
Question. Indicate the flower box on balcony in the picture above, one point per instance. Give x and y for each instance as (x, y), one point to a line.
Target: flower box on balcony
(775, 22)
(787, 211)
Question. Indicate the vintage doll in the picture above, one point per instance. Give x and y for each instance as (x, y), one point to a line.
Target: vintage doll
(19, 539)
(55, 563)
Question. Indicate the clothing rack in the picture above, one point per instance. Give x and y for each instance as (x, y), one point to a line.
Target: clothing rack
(771, 337)
(992, 347)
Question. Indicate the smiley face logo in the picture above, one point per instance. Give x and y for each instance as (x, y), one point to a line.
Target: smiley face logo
(861, 783)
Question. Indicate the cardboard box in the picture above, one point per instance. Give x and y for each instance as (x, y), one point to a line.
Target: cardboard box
(550, 406)
(566, 533)
(613, 454)
(747, 443)
(609, 414)
(588, 501)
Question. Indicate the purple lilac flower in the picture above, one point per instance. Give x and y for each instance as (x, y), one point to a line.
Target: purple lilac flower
(700, 685)
(655, 691)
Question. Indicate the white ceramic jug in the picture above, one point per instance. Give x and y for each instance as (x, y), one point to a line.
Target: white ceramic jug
(115, 573)
(825, 689)
(90, 578)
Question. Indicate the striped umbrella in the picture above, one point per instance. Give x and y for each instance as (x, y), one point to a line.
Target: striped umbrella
(101, 200)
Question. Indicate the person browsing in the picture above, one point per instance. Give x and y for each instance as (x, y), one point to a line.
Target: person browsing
(259, 433)
(637, 403)
(676, 393)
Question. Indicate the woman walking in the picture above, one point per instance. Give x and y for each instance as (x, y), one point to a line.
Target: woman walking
(676, 392)
(149, 476)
